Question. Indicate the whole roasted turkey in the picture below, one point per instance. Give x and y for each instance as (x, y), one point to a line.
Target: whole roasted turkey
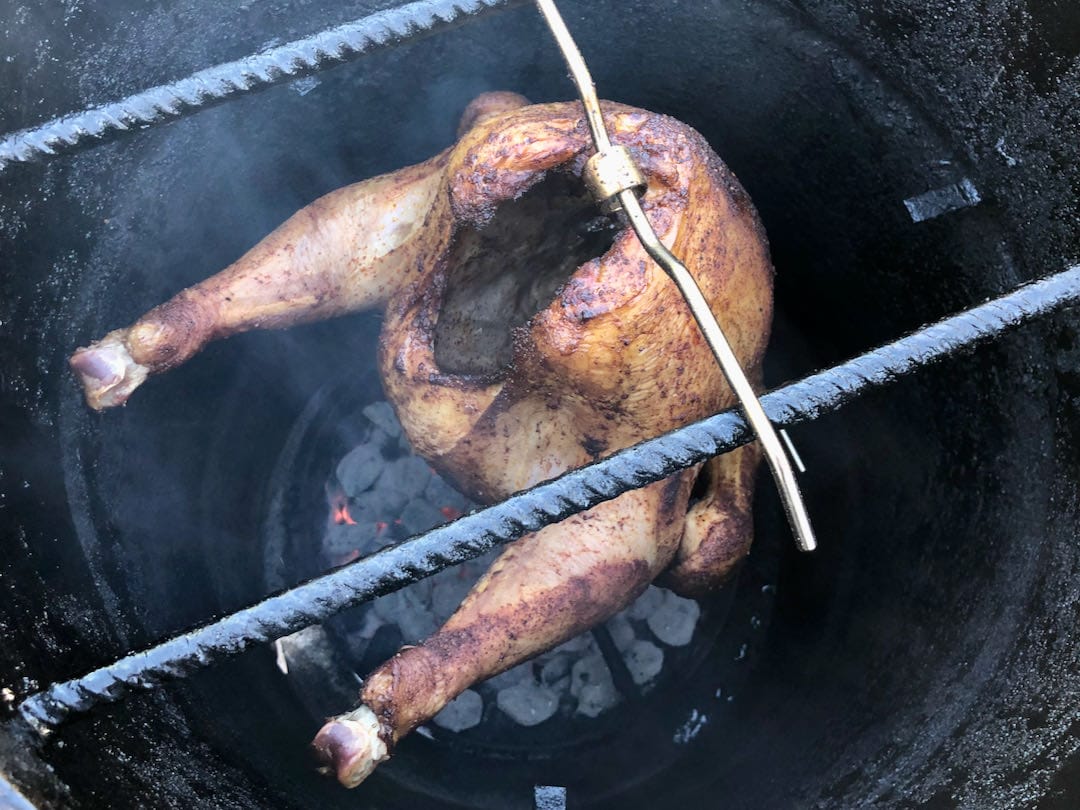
(525, 334)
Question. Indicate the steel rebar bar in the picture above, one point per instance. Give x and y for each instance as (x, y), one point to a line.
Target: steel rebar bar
(213, 85)
(580, 489)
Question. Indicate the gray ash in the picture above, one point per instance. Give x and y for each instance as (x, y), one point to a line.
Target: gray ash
(381, 493)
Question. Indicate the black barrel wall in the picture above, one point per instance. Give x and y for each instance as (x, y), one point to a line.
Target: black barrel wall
(924, 657)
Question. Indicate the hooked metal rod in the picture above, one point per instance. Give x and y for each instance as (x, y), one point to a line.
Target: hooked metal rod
(775, 455)
(575, 491)
(779, 463)
(213, 85)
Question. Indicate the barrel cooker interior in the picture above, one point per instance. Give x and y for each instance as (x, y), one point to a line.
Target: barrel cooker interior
(922, 657)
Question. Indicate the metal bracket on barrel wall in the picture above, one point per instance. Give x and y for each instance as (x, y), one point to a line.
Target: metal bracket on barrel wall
(575, 491)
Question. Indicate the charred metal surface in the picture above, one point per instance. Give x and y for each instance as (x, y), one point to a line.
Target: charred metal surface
(214, 85)
(548, 503)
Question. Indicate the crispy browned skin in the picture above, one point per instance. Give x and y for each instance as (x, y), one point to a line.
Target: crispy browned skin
(614, 358)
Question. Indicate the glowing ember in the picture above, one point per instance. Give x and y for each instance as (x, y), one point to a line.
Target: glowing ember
(342, 516)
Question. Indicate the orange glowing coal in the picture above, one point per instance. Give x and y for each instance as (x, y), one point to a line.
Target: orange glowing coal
(339, 509)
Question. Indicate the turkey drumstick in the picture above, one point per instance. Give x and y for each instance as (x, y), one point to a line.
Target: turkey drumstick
(345, 252)
(540, 592)
(524, 335)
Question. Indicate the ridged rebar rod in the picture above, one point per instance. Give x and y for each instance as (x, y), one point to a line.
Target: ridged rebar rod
(213, 85)
(547, 503)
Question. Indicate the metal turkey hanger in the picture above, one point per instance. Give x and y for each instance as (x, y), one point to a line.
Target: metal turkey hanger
(615, 180)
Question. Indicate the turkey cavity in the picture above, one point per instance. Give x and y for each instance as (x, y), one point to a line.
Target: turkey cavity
(504, 273)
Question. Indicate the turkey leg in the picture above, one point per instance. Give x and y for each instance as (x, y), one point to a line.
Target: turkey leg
(543, 590)
(347, 251)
